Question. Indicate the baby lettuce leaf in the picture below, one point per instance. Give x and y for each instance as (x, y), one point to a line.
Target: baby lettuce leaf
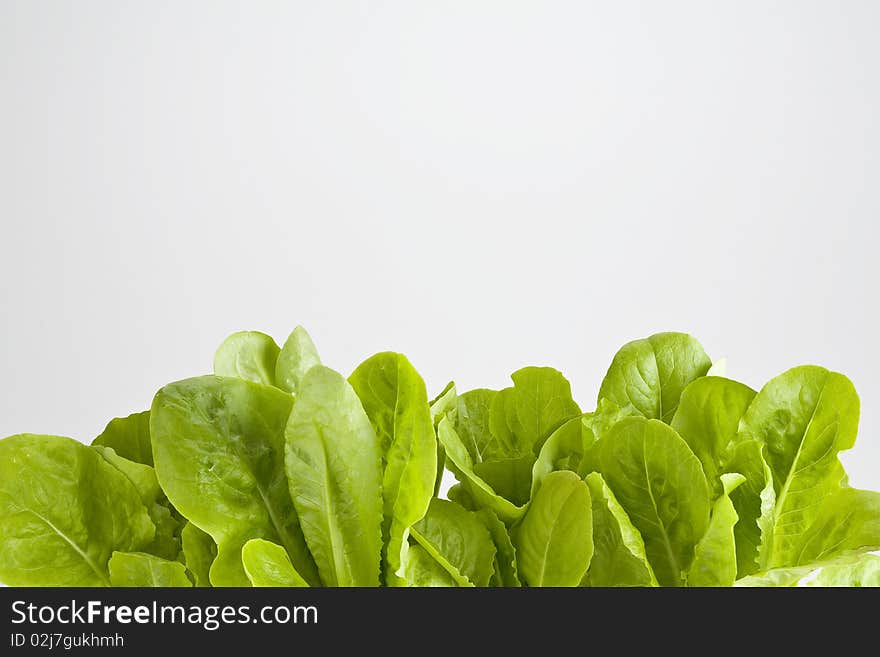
(848, 520)
(267, 564)
(297, 356)
(334, 465)
(715, 555)
(218, 443)
(199, 552)
(619, 557)
(166, 543)
(420, 569)
(659, 482)
(477, 490)
(140, 569)
(441, 406)
(753, 502)
(554, 542)
(563, 450)
(522, 417)
(708, 418)
(457, 540)
(248, 355)
(129, 437)
(63, 511)
(650, 374)
(848, 569)
(505, 555)
(394, 398)
(803, 417)
(863, 573)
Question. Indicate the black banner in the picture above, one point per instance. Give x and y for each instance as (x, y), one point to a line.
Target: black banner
(139, 621)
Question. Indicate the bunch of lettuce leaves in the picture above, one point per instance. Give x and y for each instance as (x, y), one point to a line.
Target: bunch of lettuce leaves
(278, 471)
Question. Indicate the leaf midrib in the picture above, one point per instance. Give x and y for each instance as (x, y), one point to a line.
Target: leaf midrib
(85, 557)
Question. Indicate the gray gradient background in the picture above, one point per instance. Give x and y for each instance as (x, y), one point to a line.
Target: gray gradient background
(480, 185)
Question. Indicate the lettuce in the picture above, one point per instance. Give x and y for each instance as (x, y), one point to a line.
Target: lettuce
(279, 471)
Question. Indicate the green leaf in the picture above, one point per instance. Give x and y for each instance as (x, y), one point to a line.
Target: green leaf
(863, 573)
(248, 355)
(460, 494)
(848, 520)
(521, 418)
(444, 404)
(708, 418)
(554, 542)
(563, 450)
(471, 423)
(219, 449)
(394, 398)
(619, 557)
(659, 482)
(146, 570)
(334, 465)
(650, 374)
(458, 541)
(846, 567)
(510, 478)
(129, 437)
(715, 555)
(199, 552)
(804, 417)
(753, 502)
(297, 356)
(505, 554)
(267, 564)
(63, 511)
(462, 465)
(166, 542)
(420, 569)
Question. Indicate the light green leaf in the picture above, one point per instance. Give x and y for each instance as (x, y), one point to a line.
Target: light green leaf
(462, 465)
(334, 465)
(129, 437)
(659, 482)
(444, 403)
(554, 542)
(63, 511)
(199, 552)
(248, 355)
(394, 398)
(651, 373)
(619, 557)
(505, 554)
(267, 564)
(804, 417)
(753, 502)
(297, 356)
(471, 423)
(863, 573)
(166, 543)
(843, 567)
(219, 449)
(848, 520)
(708, 418)
(459, 494)
(510, 478)
(146, 570)
(420, 569)
(458, 541)
(715, 555)
(563, 450)
(521, 418)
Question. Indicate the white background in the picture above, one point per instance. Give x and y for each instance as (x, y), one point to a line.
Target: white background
(480, 185)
